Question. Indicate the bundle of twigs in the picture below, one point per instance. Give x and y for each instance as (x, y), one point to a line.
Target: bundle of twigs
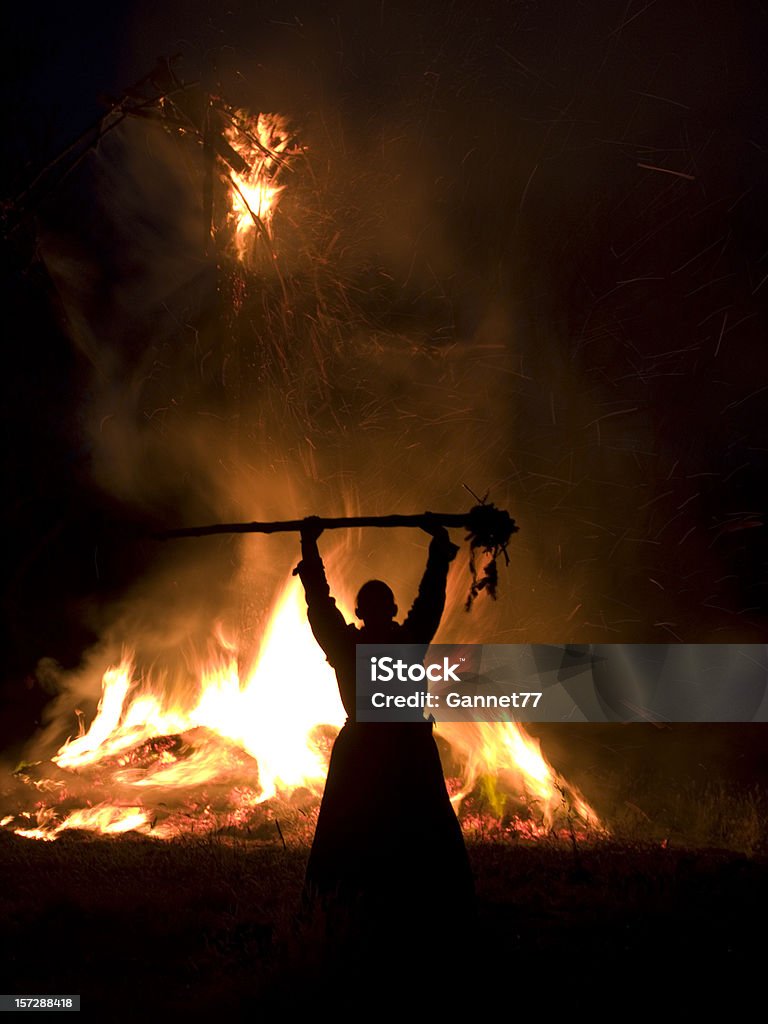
(489, 530)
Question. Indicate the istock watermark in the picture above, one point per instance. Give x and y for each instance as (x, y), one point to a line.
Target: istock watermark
(567, 683)
(385, 669)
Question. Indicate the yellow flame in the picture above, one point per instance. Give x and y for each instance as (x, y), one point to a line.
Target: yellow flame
(506, 751)
(288, 691)
(262, 142)
(104, 818)
(88, 748)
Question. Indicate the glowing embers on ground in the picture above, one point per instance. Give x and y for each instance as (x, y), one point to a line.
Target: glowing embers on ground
(247, 749)
(263, 143)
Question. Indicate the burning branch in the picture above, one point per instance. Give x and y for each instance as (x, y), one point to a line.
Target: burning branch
(489, 531)
(250, 152)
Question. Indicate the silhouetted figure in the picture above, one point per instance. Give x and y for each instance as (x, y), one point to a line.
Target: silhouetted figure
(387, 844)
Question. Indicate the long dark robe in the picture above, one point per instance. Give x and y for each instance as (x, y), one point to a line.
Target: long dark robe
(387, 838)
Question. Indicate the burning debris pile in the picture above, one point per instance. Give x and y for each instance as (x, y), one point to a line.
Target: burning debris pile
(204, 760)
(248, 749)
(252, 749)
(250, 754)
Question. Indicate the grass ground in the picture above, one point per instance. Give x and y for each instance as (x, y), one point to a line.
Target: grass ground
(209, 930)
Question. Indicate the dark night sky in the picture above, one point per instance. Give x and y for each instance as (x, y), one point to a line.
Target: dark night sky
(525, 126)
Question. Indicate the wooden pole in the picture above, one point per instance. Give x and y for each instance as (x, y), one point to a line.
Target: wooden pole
(489, 524)
(288, 525)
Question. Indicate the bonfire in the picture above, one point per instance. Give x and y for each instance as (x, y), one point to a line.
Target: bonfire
(234, 749)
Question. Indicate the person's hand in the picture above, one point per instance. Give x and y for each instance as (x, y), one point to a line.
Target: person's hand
(311, 528)
(441, 540)
(431, 524)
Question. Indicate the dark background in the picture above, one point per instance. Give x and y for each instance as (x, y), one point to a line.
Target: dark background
(637, 293)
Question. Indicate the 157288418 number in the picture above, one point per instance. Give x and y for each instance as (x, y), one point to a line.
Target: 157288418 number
(31, 1002)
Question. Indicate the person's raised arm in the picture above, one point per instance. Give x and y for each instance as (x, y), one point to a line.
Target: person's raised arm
(325, 619)
(424, 617)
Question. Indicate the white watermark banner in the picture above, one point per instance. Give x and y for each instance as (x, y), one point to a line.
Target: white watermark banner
(568, 683)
